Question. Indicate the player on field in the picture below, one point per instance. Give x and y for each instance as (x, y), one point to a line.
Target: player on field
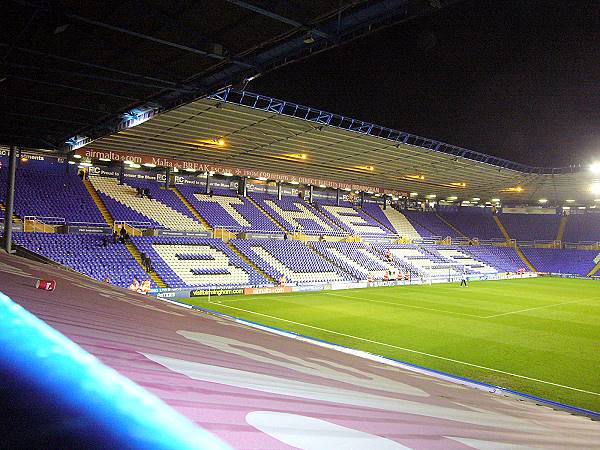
(463, 279)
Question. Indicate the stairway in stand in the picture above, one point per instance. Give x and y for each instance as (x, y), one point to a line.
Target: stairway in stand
(561, 228)
(502, 229)
(439, 216)
(138, 257)
(266, 213)
(252, 264)
(191, 207)
(99, 203)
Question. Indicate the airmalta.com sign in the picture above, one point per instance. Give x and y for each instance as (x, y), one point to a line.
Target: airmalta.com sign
(139, 158)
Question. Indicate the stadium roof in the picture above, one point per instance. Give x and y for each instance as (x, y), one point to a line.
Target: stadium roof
(70, 68)
(270, 135)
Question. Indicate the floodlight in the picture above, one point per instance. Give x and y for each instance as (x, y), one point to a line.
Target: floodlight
(543, 200)
(595, 167)
(596, 188)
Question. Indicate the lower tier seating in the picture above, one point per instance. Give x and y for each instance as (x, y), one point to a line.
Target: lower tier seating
(290, 259)
(86, 254)
(202, 262)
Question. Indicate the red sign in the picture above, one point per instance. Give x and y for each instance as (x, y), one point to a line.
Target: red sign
(160, 161)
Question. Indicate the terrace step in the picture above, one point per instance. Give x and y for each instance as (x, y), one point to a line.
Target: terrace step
(266, 213)
(450, 225)
(251, 263)
(401, 224)
(138, 257)
(594, 270)
(108, 218)
(326, 257)
(524, 258)
(501, 228)
(378, 222)
(561, 228)
(191, 207)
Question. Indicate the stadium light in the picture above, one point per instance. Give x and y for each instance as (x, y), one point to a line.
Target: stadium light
(496, 200)
(77, 156)
(72, 162)
(295, 182)
(475, 199)
(414, 194)
(570, 201)
(86, 164)
(190, 169)
(322, 186)
(149, 165)
(596, 188)
(221, 142)
(597, 200)
(452, 197)
(128, 162)
(134, 166)
(104, 159)
(595, 167)
(566, 207)
(543, 200)
(431, 196)
(262, 179)
(227, 174)
(581, 207)
(175, 169)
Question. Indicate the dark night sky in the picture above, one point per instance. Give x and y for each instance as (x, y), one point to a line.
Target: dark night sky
(515, 79)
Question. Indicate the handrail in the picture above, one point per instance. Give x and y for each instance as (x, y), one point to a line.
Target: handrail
(46, 219)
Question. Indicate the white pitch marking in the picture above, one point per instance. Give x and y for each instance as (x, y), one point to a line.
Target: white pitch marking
(408, 306)
(539, 307)
(415, 351)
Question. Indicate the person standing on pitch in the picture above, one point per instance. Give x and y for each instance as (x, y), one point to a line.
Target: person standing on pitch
(463, 279)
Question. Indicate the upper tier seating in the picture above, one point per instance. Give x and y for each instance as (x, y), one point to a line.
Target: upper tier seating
(582, 228)
(474, 222)
(123, 203)
(292, 259)
(505, 259)
(531, 227)
(85, 253)
(465, 259)
(423, 261)
(401, 224)
(44, 189)
(293, 213)
(561, 260)
(203, 262)
(375, 211)
(429, 224)
(356, 258)
(352, 220)
(230, 211)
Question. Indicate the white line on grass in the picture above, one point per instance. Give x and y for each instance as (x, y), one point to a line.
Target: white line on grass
(361, 299)
(539, 307)
(411, 350)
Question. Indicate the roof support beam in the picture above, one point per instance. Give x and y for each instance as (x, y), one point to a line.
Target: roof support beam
(272, 15)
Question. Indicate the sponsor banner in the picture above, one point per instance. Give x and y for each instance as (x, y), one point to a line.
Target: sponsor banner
(528, 210)
(258, 235)
(139, 158)
(33, 156)
(309, 288)
(217, 292)
(268, 290)
(89, 230)
(161, 232)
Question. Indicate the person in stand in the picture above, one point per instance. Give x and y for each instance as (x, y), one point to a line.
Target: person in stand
(282, 280)
(123, 232)
(388, 255)
(135, 285)
(386, 277)
(144, 287)
(106, 280)
(104, 240)
(148, 264)
(370, 279)
(400, 277)
(321, 238)
(115, 237)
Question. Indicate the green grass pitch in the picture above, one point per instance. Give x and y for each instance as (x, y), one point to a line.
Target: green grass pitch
(540, 336)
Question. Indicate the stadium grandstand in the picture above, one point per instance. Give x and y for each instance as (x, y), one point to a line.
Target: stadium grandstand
(276, 273)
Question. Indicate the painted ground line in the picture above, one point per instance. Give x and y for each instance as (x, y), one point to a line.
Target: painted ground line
(540, 307)
(410, 350)
(406, 305)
